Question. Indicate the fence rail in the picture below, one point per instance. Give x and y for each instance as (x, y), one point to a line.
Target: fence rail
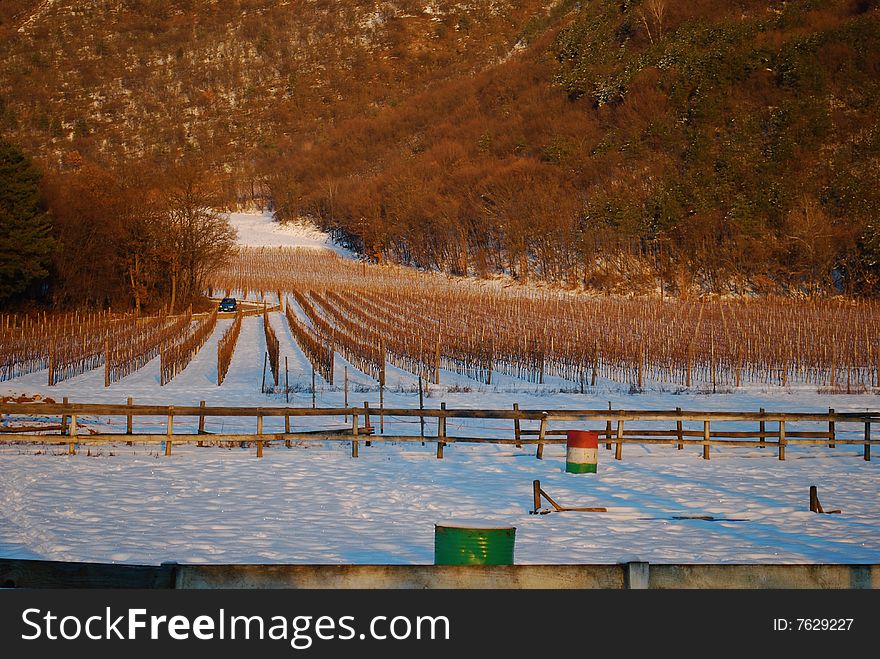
(779, 437)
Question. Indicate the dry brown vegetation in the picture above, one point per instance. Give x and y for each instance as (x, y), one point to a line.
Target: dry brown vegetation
(71, 344)
(272, 346)
(226, 347)
(425, 322)
(175, 356)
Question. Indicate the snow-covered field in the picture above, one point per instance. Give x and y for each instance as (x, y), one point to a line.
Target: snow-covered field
(317, 504)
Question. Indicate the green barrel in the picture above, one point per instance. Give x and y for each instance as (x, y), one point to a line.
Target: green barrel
(461, 545)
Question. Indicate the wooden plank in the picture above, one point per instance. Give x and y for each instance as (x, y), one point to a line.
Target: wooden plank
(706, 437)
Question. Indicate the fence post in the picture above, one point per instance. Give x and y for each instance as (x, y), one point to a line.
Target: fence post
(421, 407)
(867, 441)
(679, 429)
(541, 434)
(346, 392)
(761, 428)
(260, 434)
(536, 494)
(441, 432)
(608, 430)
(782, 440)
(170, 431)
(64, 418)
(706, 436)
(831, 430)
(287, 382)
(382, 400)
(618, 451)
(516, 430)
(354, 434)
(201, 422)
(367, 428)
(71, 446)
(313, 388)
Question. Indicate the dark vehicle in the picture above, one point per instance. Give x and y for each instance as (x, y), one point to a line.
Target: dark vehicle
(228, 304)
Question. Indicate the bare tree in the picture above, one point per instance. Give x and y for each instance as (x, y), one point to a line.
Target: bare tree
(653, 12)
(196, 239)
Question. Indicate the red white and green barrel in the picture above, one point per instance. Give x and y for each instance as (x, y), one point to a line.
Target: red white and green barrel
(581, 451)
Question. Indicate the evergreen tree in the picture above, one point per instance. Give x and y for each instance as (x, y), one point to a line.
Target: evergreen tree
(25, 241)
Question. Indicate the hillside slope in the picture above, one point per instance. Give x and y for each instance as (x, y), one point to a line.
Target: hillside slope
(711, 146)
(135, 79)
(625, 145)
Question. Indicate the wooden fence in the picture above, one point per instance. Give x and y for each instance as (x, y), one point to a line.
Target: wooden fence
(768, 429)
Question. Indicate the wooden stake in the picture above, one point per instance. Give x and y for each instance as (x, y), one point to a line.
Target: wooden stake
(263, 381)
(536, 495)
(867, 454)
(346, 391)
(421, 407)
(815, 506)
(313, 387)
(287, 382)
(201, 420)
(437, 362)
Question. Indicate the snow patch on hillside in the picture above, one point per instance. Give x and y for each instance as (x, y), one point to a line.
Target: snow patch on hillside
(261, 230)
